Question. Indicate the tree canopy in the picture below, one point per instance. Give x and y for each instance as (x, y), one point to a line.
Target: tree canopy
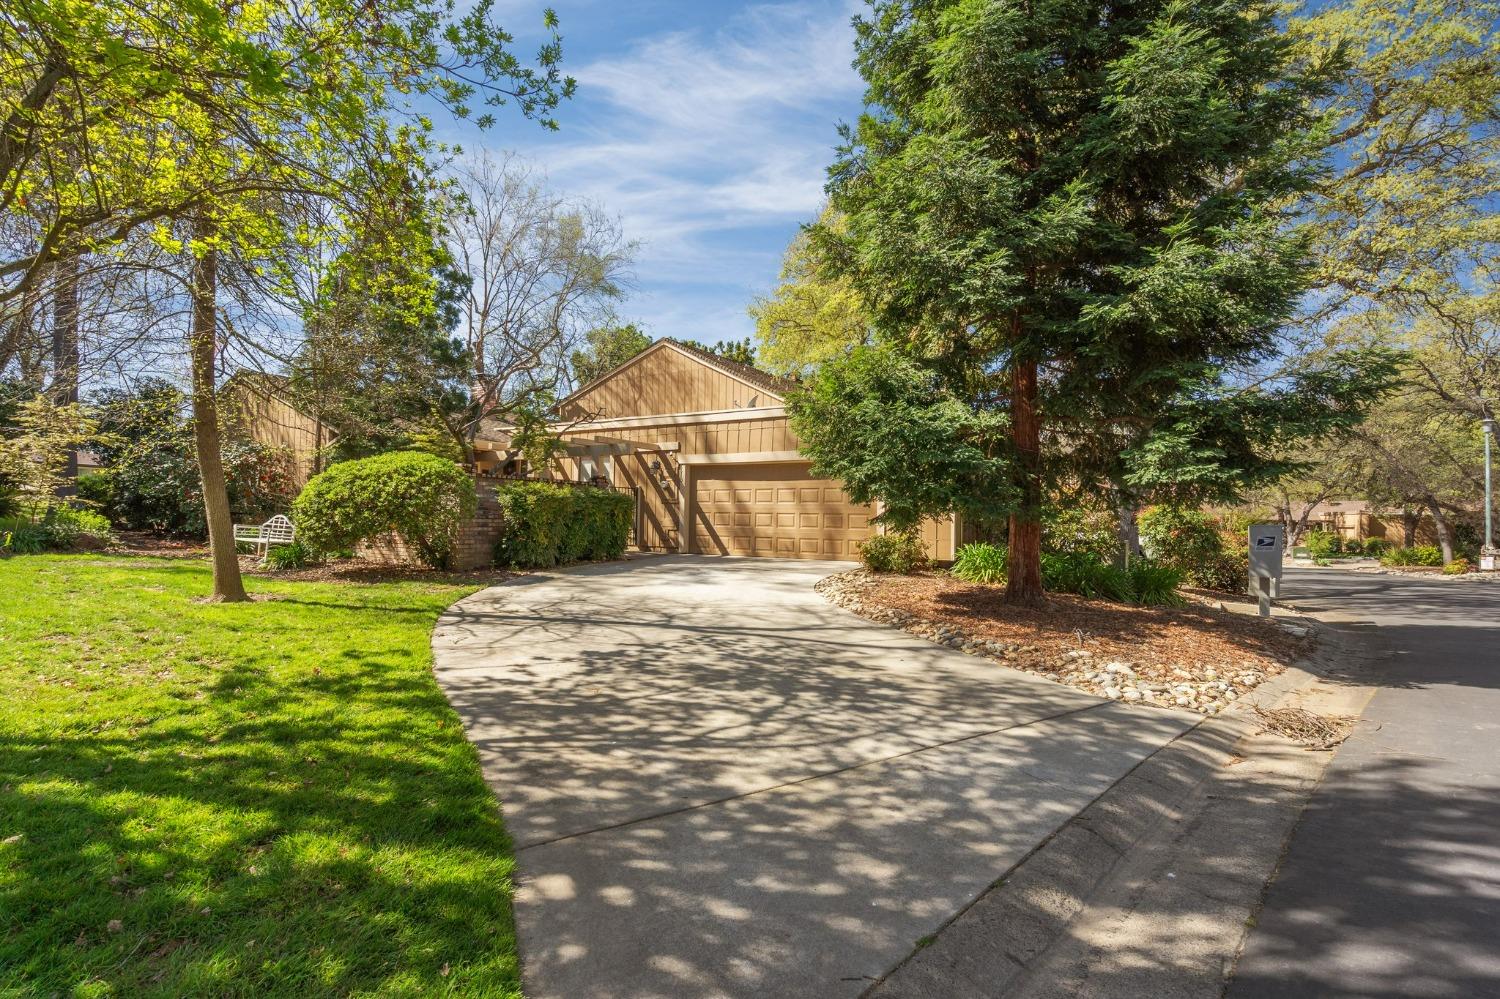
(605, 349)
(1070, 217)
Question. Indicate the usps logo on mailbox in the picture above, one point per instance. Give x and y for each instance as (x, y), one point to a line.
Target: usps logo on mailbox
(1266, 542)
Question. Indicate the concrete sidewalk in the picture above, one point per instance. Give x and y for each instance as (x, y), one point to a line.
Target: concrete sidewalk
(720, 785)
(1149, 890)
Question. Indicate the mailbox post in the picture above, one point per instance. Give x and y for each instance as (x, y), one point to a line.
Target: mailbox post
(1267, 541)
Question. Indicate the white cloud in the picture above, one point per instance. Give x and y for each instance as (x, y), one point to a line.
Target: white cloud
(702, 140)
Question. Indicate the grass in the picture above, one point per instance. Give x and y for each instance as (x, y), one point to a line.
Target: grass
(264, 799)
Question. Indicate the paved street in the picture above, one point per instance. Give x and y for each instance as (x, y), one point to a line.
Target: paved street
(721, 785)
(1391, 887)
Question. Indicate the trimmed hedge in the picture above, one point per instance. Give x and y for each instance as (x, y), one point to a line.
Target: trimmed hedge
(421, 497)
(548, 524)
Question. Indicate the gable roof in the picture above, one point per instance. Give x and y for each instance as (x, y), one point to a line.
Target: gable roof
(773, 384)
(750, 376)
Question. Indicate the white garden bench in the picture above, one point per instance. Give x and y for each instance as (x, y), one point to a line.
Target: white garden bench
(276, 531)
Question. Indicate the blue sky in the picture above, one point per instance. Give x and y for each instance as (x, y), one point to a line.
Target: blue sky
(706, 127)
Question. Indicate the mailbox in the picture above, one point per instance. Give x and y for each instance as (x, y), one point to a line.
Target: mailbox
(1267, 542)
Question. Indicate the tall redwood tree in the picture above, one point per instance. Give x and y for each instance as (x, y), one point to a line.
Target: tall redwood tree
(1066, 211)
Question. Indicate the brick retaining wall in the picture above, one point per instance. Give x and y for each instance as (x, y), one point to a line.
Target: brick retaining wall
(474, 549)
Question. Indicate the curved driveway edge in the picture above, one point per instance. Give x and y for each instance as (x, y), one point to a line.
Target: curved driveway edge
(721, 785)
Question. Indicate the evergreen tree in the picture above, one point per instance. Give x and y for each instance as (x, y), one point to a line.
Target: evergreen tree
(1067, 212)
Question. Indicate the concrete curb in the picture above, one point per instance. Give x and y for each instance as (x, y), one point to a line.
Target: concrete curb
(993, 947)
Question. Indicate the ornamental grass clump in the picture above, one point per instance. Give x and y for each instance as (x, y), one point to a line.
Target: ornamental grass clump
(1082, 573)
(980, 562)
(423, 498)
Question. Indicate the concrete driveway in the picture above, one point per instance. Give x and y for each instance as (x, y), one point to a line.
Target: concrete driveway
(720, 785)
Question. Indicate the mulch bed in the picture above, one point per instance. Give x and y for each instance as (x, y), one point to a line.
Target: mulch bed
(157, 546)
(1201, 657)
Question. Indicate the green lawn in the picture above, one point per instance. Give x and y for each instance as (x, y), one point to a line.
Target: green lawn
(258, 799)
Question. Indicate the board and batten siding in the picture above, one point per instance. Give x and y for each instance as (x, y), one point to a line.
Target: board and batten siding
(268, 419)
(663, 381)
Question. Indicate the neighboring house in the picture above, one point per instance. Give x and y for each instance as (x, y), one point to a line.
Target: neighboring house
(263, 407)
(705, 442)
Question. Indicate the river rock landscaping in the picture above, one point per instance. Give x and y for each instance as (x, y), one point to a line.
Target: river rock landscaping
(1199, 657)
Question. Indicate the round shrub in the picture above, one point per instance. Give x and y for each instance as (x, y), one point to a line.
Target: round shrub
(1457, 567)
(1190, 542)
(1228, 572)
(1376, 547)
(1077, 531)
(1180, 538)
(900, 552)
(423, 498)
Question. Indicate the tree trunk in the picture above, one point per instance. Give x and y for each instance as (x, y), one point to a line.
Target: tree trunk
(203, 346)
(1128, 528)
(1299, 525)
(65, 360)
(1023, 583)
(1440, 524)
(1408, 528)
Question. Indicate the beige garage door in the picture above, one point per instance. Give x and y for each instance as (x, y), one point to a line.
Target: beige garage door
(774, 510)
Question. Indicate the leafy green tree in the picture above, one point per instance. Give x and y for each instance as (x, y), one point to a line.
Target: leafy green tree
(207, 128)
(150, 481)
(543, 269)
(1407, 209)
(377, 372)
(1218, 439)
(810, 318)
(532, 433)
(605, 349)
(1067, 213)
(34, 456)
